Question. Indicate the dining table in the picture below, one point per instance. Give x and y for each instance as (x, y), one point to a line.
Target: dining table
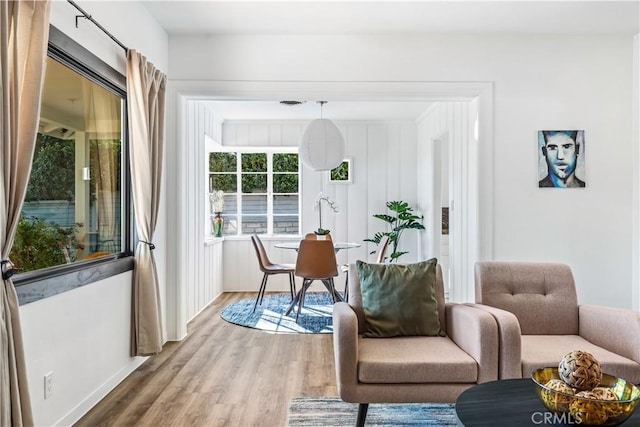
(336, 245)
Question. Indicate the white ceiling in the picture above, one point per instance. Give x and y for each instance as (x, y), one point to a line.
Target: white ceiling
(383, 17)
(396, 17)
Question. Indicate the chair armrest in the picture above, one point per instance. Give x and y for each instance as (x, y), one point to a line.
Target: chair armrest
(510, 346)
(475, 331)
(615, 329)
(345, 349)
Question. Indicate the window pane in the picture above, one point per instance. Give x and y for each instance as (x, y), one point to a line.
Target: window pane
(285, 183)
(254, 182)
(285, 224)
(223, 162)
(285, 214)
(285, 162)
(254, 162)
(225, 182)
(230, 204)
(230, 227)
(254, 204)
(254, 224)
(69, 216)
(285, 205)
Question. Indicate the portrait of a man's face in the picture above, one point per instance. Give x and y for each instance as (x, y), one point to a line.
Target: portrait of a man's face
(561, 158)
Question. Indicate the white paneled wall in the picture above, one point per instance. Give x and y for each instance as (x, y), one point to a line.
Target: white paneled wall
(451, 123)
(384, 167)
(200, 277)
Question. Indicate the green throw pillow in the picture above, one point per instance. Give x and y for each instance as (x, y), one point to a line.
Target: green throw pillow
(399, 299)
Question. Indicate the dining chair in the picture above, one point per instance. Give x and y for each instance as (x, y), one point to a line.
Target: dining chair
(383, 244)
(269, 269)
(316, 261)
(314, 236)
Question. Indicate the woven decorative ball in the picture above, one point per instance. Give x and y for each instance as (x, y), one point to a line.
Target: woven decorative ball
(580, 370)
(590, 412)
(605, 393)
(557, 401)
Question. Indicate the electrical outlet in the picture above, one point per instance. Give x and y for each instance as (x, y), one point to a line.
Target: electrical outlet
(48, 385)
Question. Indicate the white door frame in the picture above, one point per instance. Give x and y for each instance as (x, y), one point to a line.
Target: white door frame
(178, 172)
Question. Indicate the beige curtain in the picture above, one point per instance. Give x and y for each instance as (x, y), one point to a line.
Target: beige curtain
(146, 88)
(24, 34)
(102, 110)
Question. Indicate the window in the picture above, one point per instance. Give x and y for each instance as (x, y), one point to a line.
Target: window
(78, 187)
(261, 191)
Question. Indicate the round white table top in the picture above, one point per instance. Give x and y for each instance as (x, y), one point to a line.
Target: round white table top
(337, 245)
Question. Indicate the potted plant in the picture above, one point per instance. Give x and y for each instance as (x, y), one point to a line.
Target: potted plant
(334, 207)
(403, 219)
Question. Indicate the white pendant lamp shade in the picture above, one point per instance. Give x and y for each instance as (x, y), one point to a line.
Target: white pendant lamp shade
(322, 145)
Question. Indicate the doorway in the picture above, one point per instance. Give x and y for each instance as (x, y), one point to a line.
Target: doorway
(470, 220)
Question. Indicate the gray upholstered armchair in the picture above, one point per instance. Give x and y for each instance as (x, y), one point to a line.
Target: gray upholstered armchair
(539, 320)
(412, 369)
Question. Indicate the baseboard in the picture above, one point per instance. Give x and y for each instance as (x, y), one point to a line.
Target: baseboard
(85, 406)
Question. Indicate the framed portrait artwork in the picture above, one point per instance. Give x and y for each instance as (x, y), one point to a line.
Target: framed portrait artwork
(561, 159)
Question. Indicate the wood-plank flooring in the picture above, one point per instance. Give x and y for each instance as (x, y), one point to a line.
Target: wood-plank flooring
(221, 375)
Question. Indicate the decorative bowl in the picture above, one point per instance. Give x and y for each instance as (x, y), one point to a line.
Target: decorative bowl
(588, 411)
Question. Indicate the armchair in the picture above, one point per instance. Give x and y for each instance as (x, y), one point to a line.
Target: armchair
(539, 320)
(411, 369)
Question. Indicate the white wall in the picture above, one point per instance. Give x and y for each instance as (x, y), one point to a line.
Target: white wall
(83, 335)
(445, 131)
(383, 166)
(578, 82)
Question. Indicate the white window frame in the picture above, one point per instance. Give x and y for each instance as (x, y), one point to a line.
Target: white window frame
(269, 151)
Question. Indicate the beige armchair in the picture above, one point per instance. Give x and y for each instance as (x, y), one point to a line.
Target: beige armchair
(539, 320)
(412, 369)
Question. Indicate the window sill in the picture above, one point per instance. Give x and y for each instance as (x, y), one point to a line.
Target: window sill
(210, 240)
(31, 290)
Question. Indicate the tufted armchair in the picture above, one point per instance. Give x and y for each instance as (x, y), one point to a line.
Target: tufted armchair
(540, 320)
(411, 368)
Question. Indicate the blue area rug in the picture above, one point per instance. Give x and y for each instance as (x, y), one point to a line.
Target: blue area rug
(315, 318)
(331, 411)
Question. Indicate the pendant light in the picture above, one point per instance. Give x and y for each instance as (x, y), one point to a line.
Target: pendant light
(322, 144)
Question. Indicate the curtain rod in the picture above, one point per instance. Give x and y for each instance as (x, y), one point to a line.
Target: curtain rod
(97, 24)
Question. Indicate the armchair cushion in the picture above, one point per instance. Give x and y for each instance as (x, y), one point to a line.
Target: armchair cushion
(414, 360)
(541, 351)
(399, 299)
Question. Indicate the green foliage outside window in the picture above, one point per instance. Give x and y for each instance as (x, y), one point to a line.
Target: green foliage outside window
(222, 162)
(254, 167)
(39, 244)
(52, 174)
(285, 162)
(254, 162)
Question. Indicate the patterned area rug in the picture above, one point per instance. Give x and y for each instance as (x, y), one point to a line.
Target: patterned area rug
(331, 411)
(315, 317)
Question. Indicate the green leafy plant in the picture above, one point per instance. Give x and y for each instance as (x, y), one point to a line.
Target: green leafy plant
(39, 244)
(403, 219)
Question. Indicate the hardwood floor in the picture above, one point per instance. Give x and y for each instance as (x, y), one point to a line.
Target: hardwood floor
(221, 375)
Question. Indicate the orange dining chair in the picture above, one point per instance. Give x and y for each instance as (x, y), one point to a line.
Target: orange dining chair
(316, 261)
(380, 251)
(269, 269)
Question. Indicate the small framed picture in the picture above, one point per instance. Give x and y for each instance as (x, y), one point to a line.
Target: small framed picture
(342, 174)
(561, 158)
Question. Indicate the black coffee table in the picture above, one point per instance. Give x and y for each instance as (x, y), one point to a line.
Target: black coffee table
(509, 403)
